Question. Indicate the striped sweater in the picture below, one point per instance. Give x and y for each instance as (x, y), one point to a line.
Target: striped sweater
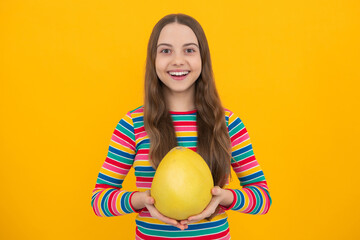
(129, 147)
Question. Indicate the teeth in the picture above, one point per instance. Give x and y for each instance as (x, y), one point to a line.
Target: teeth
(179, 73)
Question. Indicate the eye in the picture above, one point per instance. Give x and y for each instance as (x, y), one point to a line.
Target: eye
(191, 50)
(165, 50)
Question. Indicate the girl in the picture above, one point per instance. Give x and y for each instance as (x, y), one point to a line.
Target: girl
(181, 108)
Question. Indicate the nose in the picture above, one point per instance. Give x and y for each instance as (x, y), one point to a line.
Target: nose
(178, 59)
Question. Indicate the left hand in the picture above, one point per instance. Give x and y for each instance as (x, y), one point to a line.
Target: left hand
(219, 196)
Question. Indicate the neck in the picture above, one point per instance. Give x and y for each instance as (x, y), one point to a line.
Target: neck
(180, 101)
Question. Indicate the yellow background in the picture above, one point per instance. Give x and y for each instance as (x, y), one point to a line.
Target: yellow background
(70, 70)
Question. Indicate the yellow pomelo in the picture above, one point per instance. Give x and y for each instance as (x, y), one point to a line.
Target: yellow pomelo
(182, 184)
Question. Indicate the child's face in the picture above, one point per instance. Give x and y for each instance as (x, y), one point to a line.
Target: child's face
(178, 50)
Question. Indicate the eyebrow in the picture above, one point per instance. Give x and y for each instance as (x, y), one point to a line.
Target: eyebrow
(185, 45)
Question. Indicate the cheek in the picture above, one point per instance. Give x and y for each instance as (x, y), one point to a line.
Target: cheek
(159, 66)
(160, 70)
(157, 69)
(196, 63)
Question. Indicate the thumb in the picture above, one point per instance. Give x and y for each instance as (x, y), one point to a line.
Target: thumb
(148, 198)
(216, 190)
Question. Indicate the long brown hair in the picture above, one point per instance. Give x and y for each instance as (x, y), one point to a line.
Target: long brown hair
(213, 141)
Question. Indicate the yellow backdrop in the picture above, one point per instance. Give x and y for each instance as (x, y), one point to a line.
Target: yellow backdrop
(70, 70)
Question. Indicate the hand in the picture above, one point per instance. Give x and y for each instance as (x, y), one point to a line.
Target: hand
(149, 204)
(220, 196)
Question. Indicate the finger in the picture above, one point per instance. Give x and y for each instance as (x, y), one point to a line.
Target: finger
(216, 190)
(168, 220)
(182, 227)
(149, 200)
(184, 222)
(173, 222)
(156, 214)
(210, 209)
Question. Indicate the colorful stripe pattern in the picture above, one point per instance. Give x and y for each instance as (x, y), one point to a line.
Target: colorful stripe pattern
(129, 147)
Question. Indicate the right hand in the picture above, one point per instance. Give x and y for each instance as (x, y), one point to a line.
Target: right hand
(149, 204)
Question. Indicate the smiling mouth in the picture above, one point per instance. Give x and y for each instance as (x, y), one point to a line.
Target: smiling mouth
(179, 75)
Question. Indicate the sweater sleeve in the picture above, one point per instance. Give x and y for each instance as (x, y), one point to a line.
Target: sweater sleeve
(108, 197)
(253, 197)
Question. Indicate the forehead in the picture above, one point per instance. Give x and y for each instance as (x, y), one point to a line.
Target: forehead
(177, 34)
